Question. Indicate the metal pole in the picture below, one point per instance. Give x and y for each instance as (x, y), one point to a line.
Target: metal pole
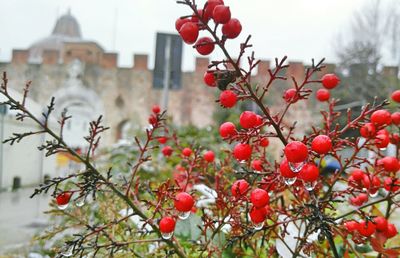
(167, 67)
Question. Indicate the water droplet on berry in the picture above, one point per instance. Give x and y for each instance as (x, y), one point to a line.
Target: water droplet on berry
(184, 215)
(290, 181)
(63, 207)
(309, 186)
(373, 194)
(258, 226)
(80, 201)
(296, 167)
(67, 253)
(167, 236)
(382, 149)
(360, 244)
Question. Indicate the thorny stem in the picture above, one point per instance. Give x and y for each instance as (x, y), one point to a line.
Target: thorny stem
(248, 86)
(388, 197)
(90, 166)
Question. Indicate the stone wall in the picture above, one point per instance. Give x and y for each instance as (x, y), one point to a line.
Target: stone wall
(127, 94)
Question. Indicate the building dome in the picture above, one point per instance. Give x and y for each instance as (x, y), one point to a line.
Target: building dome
(68, 26)
(67, 29)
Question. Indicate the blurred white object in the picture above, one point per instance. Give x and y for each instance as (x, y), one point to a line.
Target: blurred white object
(295, 230)
(135, 219)
(208, 195)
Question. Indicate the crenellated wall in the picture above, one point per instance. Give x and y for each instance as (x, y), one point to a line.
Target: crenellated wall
(127, 94)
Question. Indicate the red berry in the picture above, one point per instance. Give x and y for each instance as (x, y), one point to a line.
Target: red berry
(390, 164)
(264, 142)
(227, 129)
(205, 46)
(366, 181)
(396, 118)
(330, 81)
(257, 165)
(394, 138)
(162, 139)
(195, 19)
(221, 14)
(360, 199)
(179, 23)
(381, 223)
(309, 173)
(368, 130)
(209, 79)
(351, 225)
(258, 215)
(63, 198)
(383, 131)
(291, 96)
(382, 140)
(354, 201)
(189, 32)
(259, 120)
(211, 4)
(296, 152)
(285, 170)
(183, 202)
(381, 117)
(227, 98)
(232, 28)
(358, 174)
(323, 95)
(167, 225)
(366, 228)
(156, 109)
(152, 119)
(239, 187)
(390, 185)
(186, 152)
(376, 184)
(321, 144)
(396, 96)
(167, 151)
(209, 156)
(391, 231)
(242, 151)
(259, 198)
(363, 198)
(248, 119)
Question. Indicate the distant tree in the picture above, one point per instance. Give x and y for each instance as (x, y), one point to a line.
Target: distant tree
(372, 42)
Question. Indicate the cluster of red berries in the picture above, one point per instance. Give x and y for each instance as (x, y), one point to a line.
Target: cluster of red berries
(296, 165)
(259, 199)
(366, 228)
(301, 158)
(190, 27)
(215, 10)
(183, 203)
(167, 150)
(329, 81)
(376, 128)
(248, 120)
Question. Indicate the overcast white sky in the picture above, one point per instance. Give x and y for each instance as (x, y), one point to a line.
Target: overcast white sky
(301, 29)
